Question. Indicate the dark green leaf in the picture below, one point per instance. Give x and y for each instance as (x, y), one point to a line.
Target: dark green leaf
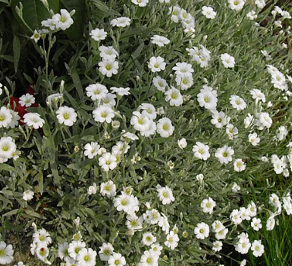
(16, 52)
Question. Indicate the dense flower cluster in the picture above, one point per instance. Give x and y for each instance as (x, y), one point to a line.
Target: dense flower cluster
(148, 151)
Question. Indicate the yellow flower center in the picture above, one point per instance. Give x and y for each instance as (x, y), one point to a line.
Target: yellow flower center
(66, 116)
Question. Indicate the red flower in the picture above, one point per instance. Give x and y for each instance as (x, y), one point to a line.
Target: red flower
(17, 107)
(30, 89)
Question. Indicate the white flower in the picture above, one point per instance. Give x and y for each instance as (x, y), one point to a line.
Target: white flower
(28, 195)
(92, 190)
(175, 12)
(254, 139)
(106, 250)
(163, 223)
(140, 121)
(127, 203)
(63, 250)
(116, 259)
(134, 222)
(270, 223)
(260, 3)
(148, 110)
(185, 81)
(141, 3)
(263, 120)
(183, 69)
(182, 143)
(160, 110)
(74, 248)
(235, 216)
(91, 149)
(245, 213)
(156, 248)
(120, 91)
(208, 12)
(20, 263)
(228, 60)
(26, 100)
(219, 119)
(63, 20)
(124, 203)
(171, 240)
(207, 98)
(108, 189)
(252, 15)
(165, 195)
(66, 115)
(7, 149)
(103, 113)
(237, 102)
(120, 147)
(98, 34)
(5, 117)
(239, 165)
(281, 133)
(235, 187)
(86, 257)
(148, 239)
(256, 224)
(107, 161)
(164, 127)
(221, 234)
(6, 253)
(201, 151)
(274, 200)
(160, 83)
(53, 98)
(129, 136)
(257, 248)
(96, 91)
(42, 237)
(258, 95)
(50, 23)
(108, 52)
(109, 99)
(224, 154)
(149, 258)
(252, 209)
(188, 22)
(108, 67)
(200, 55)
(121, 22)
(33, 120)
(159, 40)
(243, 244)
(202, 230)
(217, 226)
(42, 252)
(208, 205)
(236, 5)
(35, 36)
(231, 131)
(70, 262)
(174, 97)
(217, 246)
(248, 121)
(156, 64)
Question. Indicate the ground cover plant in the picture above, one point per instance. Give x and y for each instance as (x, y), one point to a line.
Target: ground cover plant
(145, 132)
